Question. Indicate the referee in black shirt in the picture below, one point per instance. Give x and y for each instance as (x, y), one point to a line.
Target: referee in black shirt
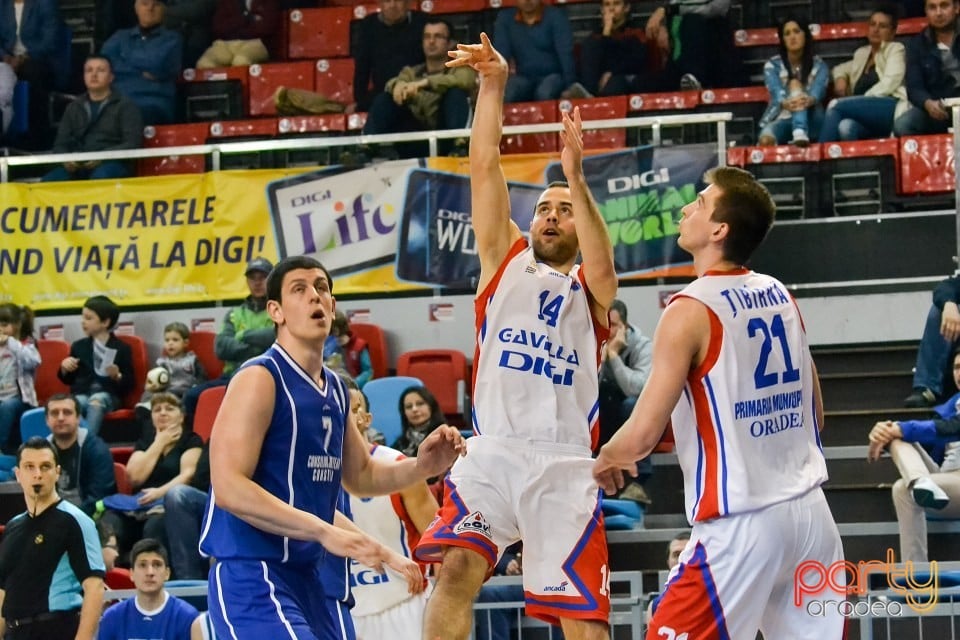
(51, 565)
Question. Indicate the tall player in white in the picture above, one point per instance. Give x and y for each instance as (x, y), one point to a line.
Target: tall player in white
(541, 321)
(732, 364)
(385, 606)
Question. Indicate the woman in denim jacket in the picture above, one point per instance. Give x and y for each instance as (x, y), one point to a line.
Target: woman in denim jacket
(797, 81)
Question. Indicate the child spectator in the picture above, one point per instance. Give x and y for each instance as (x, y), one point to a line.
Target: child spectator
(99, 368)
(19, 360)
(419, 414)
(183, 365)
(354, 356)
(153, 613)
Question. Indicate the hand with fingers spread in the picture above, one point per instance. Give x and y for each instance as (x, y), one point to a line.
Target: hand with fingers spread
(571, 157)
(482, 58)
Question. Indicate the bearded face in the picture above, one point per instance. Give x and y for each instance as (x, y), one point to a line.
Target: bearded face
(553, 234)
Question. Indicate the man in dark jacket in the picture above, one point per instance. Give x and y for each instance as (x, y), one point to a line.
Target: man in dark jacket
(386, 42)
(100, 120)
(940, 334)
(933, 71)
(86, 466)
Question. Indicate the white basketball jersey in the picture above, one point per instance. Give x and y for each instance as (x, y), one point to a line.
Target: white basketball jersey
(538, 354)
(745, 426)
(386, 520)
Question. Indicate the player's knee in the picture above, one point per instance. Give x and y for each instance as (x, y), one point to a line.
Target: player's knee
(462, 571)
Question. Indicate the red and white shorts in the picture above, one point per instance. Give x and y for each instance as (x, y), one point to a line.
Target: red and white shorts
(506, 490)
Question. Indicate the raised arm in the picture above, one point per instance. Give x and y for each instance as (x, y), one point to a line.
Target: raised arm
(490, 201)
(595, 248)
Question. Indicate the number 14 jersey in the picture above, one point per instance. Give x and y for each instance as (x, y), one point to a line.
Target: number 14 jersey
(538, 354)
(746, 430)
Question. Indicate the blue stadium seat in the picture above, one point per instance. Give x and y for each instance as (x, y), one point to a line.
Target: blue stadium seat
(33, 422)
(384, 397)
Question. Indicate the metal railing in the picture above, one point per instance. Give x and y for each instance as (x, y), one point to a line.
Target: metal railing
(216, 150)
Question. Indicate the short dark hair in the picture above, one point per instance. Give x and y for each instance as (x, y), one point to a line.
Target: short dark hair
(148, 545)
(57, 397)
(104, 532)
(285, 266)
(557, 183)
(745, 206)
(39, 443)
(890, 10)
(179, 327)
(432, 19)
(353, 386)
(98, 56)
(21, 316)
(105, 308)
(618, 306)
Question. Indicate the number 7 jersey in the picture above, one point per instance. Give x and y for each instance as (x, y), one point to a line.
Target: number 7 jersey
(746, 429)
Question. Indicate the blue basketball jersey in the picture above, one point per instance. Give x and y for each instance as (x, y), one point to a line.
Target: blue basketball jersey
(127, 620)
(299, 463)
(335, 570)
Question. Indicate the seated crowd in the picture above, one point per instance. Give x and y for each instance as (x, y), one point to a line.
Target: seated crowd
(886, 87)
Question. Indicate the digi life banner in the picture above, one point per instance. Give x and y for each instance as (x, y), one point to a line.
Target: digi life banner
(640, 193)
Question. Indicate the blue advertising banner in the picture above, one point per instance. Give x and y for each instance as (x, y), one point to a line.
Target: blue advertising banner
(640, 193)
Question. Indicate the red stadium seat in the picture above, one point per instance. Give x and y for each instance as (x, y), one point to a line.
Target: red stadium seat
(265, 79)
(52, 353)
(219, 74)
(207, 406)
(453, 6)
(202, 344)
(174, 135)
(669, 101)
(600, 109)
(530, 113)
(311, 124)
(260, 128)
(376, 341)
(444, 371)
(120, 475)
(334, 79)
(124, 417)
(319, 33)
(121, 454)
(926, 164)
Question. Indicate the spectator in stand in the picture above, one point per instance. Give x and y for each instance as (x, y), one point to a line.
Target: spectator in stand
(31, 36)
(99, 120)
(624, 369)
(247, 332)
(146, 61)
(924, 485)
(940, 335)
(615, 59)
(8, 81)
(386, 42)
(86, 465)
(420, 415)
(797, 82)
(700, 46)
(182, 365)
(933, 71)
(184, 505)
(425, 96)
(245, 32)
(19, 360)
(348, 352)
(99, 368)
(537, 42)
(193, 20)
(153, 612)
(161, 460)
(869, 88)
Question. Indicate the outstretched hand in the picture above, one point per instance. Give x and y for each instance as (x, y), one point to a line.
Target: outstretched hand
(482, 58)
(440, 450)
(571, 157)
